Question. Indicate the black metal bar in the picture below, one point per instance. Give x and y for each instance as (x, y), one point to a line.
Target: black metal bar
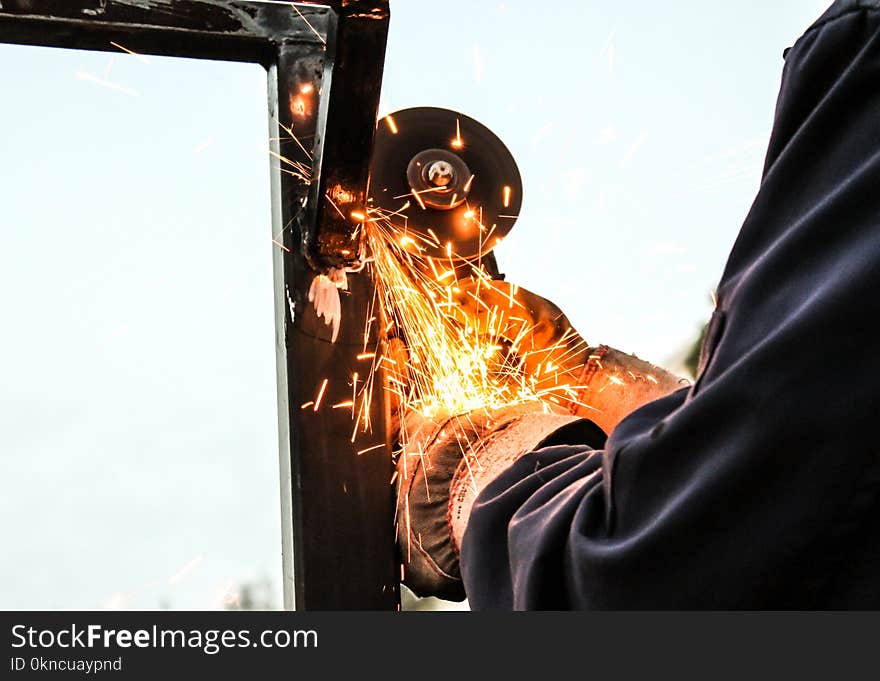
(230, 30)
(342, 503)
(325, 66)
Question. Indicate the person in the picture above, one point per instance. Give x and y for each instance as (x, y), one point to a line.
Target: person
(755, 487)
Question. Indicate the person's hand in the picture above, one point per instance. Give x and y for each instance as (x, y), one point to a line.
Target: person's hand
(446, 462)
(611, 384)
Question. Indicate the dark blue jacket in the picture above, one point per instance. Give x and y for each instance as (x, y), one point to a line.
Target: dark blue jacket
(758, 487)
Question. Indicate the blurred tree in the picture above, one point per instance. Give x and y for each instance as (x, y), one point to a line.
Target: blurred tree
(256, 595)
(692, 359)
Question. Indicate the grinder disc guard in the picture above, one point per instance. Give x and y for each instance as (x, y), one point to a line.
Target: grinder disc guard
(461, 182)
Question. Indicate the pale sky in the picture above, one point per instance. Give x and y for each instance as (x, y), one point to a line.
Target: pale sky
(137, 401)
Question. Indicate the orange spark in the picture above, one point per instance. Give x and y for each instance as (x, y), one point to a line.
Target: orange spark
(131, 52)
(185, 570)
(457, 142)
(302, 16)
(297, 106)
(85, 75)
(320, 395)
(418, 198)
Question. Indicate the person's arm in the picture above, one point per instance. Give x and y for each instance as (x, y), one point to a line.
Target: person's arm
(751, 489)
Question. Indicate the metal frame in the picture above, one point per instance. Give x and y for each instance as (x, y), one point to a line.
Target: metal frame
(324, 64)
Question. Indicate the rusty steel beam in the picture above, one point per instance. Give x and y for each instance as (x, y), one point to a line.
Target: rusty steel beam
(325, 66)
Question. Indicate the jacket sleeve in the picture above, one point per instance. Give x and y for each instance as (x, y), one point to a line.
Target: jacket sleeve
(745, 490)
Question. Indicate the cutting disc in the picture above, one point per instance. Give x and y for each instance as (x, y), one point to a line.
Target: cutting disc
(462, 184)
